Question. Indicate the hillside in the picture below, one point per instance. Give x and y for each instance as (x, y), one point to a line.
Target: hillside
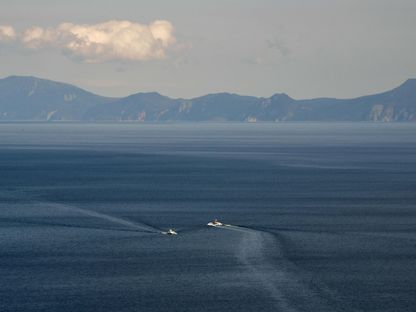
(30, 98)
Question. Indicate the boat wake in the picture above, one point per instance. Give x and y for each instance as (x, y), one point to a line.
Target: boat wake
(289, 289)
(91, 213)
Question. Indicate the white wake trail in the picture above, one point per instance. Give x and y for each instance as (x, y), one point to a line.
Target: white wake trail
(251, 255)
(95, 214)
(277, 275)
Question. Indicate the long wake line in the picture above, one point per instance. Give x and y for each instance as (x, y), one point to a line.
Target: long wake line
(99, 215)
(285, 285)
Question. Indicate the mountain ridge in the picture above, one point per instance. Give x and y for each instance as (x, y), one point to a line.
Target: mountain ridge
(29, 98)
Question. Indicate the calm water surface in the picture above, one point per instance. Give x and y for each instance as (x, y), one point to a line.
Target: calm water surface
(323, 215)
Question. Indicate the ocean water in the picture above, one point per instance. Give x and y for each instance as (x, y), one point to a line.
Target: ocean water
(323, 217)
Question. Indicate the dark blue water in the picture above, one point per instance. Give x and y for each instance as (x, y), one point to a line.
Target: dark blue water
(324, 217)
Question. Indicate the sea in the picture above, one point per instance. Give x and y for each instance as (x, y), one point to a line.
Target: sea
(319, 217)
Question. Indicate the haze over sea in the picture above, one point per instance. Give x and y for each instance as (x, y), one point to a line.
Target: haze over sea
(323, 217)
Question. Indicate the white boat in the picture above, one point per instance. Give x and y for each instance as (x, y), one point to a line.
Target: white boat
(170, 232)
(215, 223)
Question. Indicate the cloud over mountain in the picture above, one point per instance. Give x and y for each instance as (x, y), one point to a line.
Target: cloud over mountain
(95, 43)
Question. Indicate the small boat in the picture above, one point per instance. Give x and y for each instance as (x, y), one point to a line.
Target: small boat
(215, 222)
(170, 232)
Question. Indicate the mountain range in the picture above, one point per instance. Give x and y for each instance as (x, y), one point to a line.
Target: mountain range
(35, 99)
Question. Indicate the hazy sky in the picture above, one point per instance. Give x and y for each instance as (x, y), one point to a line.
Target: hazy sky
(186, 48)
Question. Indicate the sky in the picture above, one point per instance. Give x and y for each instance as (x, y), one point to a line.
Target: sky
(188, 48)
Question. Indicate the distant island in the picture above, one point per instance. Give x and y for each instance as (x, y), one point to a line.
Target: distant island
(35, 99)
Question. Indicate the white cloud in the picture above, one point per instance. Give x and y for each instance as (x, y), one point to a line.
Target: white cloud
(112, 40)
(7, 33)
(36, 37)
